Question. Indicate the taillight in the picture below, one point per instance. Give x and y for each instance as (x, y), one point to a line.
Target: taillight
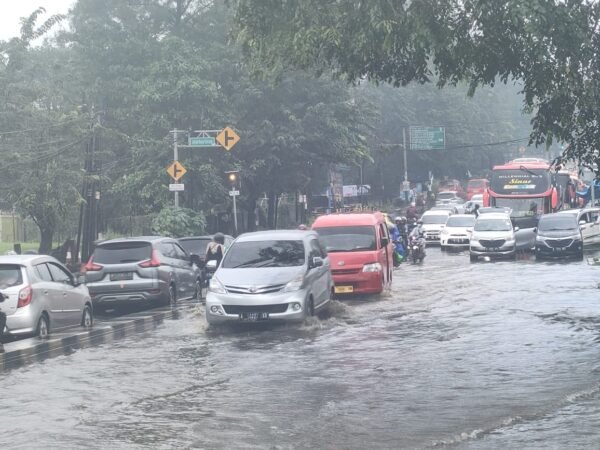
(152, 262)
(91, 266)
(25, 296)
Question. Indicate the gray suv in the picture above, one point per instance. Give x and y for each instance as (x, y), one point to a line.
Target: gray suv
(153, 270)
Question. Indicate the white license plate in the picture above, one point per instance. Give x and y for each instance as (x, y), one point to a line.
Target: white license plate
(344, 289)
(254, 316)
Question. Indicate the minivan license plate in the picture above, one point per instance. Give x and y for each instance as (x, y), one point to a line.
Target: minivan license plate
(121, 276)
(254, 316)
(344, 289)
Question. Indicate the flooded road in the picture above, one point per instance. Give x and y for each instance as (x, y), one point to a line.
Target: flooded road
(476, 356)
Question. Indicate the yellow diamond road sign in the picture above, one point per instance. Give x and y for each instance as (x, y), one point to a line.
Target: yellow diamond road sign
(227, 138)
(176, 170)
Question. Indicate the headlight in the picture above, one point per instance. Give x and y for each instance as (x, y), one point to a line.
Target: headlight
(444, 232)
(373, 267)
(216, 286)
(294, 285)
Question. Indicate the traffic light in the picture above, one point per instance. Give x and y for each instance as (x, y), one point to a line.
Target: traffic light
(233, 178)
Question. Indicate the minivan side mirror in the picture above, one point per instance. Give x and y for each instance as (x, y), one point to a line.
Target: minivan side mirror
(516, 228)
(79, 280)
(212, 264)
(582, 222)
(384, 241)
(317, 261)
(535, 230)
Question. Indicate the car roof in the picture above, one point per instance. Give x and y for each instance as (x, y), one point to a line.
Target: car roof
(133, 239)
(436, 212)
(557, 214)
(578, 211)
(25, 259)
(462, 216)
(349, 219)
(284, 235)
(206, 236)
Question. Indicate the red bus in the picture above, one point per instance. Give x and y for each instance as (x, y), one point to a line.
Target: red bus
(526, 186)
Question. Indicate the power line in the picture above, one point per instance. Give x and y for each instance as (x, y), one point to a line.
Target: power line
(2, 133)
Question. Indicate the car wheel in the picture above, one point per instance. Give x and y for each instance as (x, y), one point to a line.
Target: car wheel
(310, 307)
(43, 327)
(87, 320)
(473, 258)
(580, 256)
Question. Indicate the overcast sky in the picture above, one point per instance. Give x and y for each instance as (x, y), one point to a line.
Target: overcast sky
(12, 10)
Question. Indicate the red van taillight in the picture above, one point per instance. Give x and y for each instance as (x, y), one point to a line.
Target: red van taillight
(91, 266)
(25, 296)
(152, 262)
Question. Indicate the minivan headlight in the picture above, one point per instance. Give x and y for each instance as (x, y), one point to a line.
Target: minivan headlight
(294, 285)
(215, 286)
(373, 267)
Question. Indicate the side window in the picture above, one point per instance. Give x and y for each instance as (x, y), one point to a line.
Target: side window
(315, 249)
(59, 274)
(166, 248)
(593, 216)
(584, 217)
(179, 252)
(43, 273)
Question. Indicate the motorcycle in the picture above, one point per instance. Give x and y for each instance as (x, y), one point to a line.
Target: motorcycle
(417, 249)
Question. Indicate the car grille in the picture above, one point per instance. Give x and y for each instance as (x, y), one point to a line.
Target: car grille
(345, 271)
(495, 243)
(240, 309)
(458, 241)
(559, 242)
(254, 290)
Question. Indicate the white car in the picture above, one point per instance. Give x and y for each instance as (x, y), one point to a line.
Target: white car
(477, 199)
(493, 235)
(433, 223)
(448, 198)
(589, 223)
(457, 232)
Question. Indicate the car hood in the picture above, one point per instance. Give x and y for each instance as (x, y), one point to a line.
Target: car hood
(558, 234)
(507, 235)
(352, 259)
(433, 226)
(459, 230)
(258, 276)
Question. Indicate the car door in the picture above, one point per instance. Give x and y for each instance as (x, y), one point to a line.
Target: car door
(585, 226)
(52, 293)
(386, 252)
(187, 270)
(71, 302)
(320, 281)
(594, 218)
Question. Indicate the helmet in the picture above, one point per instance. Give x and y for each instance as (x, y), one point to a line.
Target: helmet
(219, 238)
(398, 219)
(403, 219)
(413, 204)
(302, 227)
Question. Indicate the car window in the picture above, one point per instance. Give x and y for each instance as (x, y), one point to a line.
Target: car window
(122, 252)
(59, 274)
(43, 272)
(167, 249)
(180, 252)
(593, 216)
(269, 253)
(584, 217)
(10, 275)
(196, 246)
(315, 248)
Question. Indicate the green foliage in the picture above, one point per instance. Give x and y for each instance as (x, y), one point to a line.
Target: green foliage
(550, 46)
(179, 222)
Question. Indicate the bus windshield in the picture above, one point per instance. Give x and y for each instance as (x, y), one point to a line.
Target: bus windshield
(522, 207)
(523, 181)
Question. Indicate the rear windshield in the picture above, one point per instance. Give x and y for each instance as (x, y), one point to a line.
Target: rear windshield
(476, 184)
(264, 254)
(558, 223)
(10, 275)
(435, 218)
(348, 239)
(446, 195)
(195, 246)
(122, 252)
(460, 221)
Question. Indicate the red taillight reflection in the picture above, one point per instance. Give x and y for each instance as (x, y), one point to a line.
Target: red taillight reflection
(152, 262)
(25, 296)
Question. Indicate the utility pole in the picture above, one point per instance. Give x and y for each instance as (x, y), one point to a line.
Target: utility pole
(405, 158)
(176, 158)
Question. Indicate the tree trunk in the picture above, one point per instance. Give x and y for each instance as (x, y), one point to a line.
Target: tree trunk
(251, 208)
(272, 205)
(47, 234)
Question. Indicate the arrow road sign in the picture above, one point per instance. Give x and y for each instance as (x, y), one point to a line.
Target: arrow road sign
(227, 138)
(176, 170)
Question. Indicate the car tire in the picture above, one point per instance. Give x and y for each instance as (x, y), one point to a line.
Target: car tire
(198, 292)
(310, 307)
(473, 258)
(87, 319)
(580, 256)
(43, 327)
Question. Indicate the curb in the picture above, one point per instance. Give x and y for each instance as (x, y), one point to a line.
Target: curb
(31, 350)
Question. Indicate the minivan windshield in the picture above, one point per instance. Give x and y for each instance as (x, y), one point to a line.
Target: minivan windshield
(460, 221)
(434, 218)
(122, 252)
(270, 253)
(493, 225)
(558, 223)
(348, 239)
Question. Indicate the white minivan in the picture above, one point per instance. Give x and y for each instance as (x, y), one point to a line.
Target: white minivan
(434, 222)
(589, 223)
(493, 235)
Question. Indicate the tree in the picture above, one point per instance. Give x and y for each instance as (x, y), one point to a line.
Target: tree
(550, 46)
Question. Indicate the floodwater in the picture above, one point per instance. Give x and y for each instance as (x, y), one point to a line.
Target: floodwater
(489, 355)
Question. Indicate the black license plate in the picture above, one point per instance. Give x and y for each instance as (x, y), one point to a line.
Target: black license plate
(254, 316)
(121, 276)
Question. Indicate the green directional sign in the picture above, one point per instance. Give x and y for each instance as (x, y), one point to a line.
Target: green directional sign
(202, 141)
(427, 138)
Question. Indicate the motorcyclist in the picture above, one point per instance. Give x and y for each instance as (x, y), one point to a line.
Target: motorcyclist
(411, 211)
(418, 235)
(398, 247)
(402, 229)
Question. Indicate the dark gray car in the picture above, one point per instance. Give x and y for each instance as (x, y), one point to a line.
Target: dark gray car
(153, 270)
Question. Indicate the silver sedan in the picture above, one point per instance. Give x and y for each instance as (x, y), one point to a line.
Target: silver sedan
(40, 295)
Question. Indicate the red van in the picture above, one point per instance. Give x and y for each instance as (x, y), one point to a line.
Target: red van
(476, 186)
(360, 251)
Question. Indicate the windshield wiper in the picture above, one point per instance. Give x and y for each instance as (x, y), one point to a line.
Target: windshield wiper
(255, 263)
(530, 172)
